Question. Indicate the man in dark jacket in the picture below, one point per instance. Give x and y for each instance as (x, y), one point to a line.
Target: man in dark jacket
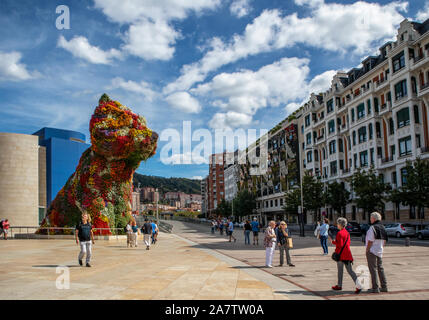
(147, 233)
(376, 238)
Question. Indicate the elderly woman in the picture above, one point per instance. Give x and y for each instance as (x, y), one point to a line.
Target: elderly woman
(270, 243)
(342, 243)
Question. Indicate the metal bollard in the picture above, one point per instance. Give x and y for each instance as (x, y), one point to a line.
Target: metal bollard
(407, 241)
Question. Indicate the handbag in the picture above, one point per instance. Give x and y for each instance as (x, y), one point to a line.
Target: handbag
(289, 243)
(337, 256)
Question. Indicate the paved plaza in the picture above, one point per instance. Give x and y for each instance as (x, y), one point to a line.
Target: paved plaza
(193, 264)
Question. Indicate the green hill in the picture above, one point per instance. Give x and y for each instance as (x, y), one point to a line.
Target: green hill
(167, 184)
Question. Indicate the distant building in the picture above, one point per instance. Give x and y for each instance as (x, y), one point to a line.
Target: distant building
(135, 201)
(204, 196)
(232, 179)
(215, 183)
(148, 194)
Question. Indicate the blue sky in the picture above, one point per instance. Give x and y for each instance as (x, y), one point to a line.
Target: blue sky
(220, 64)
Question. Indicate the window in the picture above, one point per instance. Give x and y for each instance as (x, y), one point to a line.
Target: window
(281, 202)
(404, 176)
(405, 146)
(368, 106)
(362, 134)
(340, 145)
(316, 155)
(401, 89)
(361, 110)
(331, 126)
(333, 168)
(308, 138)
(378, 129)
(416, 114)
(370, 130)
(307, 121)
(354, 137)
(371, 151)
(376, 105)
(341, 164)
(276, 202)
(403, 117)
(418, 142)
(271, 203)
(394, 178)
(355, 160)
(353, 115)
(332, 147)
(391, 126)
(309, 156)
(330, 106)
(398, 62)
(302, 129)
(392, 150)
(364, 159)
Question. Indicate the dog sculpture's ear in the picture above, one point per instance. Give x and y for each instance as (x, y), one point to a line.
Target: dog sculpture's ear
(104, 98)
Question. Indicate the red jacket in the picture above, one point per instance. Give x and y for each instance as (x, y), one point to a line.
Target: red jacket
(341, 238)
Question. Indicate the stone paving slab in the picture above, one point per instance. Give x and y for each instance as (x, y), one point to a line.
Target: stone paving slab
(406, 268)
(172, 269)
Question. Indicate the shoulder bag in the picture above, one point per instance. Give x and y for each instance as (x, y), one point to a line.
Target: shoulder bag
(337, 256)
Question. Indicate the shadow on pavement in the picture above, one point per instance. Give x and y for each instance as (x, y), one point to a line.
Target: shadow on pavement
(56, 265)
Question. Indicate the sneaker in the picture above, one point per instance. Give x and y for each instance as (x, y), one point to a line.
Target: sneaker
(80, 262)
(357, 291)
(384, 290)
(88, 265)
(291, 265)
(337, 288)
(269, 266)
(280, 265)
(147, 248)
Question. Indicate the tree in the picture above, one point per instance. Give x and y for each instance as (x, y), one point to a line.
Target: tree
(415, 189)
(292, 201)
(244, 203)
(369, 189)
(337, 196)
(224, 208)
(313, 193)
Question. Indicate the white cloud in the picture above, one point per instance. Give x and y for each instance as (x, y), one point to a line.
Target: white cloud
(143, 87)
(423, 14)
(151, 35)
(183, 101)
(81, 48)
(356, 28)
(197, 178)
(240, 8)
(11, 69)
(241, 94)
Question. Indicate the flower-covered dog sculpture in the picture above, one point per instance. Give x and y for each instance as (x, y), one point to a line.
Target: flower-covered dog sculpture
(102, 182)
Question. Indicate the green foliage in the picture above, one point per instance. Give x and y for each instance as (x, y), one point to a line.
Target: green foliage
(337, 196)
(224, 208)
(168, 184)
(244, 203)
(370, 190)
(104, 98)
(292, 201)
(312, 193)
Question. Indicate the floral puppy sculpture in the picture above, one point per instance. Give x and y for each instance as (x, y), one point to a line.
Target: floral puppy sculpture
(102, 182)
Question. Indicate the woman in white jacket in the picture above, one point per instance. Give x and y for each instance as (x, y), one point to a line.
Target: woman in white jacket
(270, 243)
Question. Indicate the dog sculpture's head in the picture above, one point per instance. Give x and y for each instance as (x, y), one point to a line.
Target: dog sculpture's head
(118, 133)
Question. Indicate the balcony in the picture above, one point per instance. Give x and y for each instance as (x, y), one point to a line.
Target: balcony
(387, 160)
(423, 89)
(386, 107)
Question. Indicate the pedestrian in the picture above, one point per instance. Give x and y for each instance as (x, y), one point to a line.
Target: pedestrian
(85, 237)
(221, 227)
(282, 235)
(129, 233)
(376, 238)
(5, 228)
(213, 226)
(270, 243)
(323, 236)
(230, 229)
(154, 231)
(147, 232)
(343, 255)
(316, 231)
(135, 234)
(247, 229)
(255, 229)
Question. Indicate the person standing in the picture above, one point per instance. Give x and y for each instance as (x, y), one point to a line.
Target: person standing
(129, 232)
(85, 237)
(230, 229)
(255, 230)
(213, 226)
(282, 234)
(342, 243)
(375, 241)
(147, 232)
(5, 226)
(221, 227)
(135, 234)
(154, 231)
(247, 229)
(270, 243)
(323, 235)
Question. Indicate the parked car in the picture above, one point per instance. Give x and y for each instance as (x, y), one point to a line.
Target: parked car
(354, 228)
(239, 224)
(400, 230)
(424, 233)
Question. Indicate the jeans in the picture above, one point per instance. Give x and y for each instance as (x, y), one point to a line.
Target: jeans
(269, 252)
(284, 248)
(85, 247)
(146, 240)
(375, 265)
(213, 229)
(340, 265)
(247, 237)
(324, 243)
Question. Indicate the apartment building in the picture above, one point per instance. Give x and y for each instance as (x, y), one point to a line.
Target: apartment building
(375, 115)
(215, 182)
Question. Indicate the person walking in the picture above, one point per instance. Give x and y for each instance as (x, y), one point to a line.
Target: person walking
(270, 243)
(375, 241)
(323, 235)
(247, 229)
(255, 229)
(343, 255)
(5, 227)
(282, 234)
(129, 233)
(154, 231)
(135, 234)
(221, 227)
(213, 226)
(230, 229)
(85, 237)
(147, 232)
